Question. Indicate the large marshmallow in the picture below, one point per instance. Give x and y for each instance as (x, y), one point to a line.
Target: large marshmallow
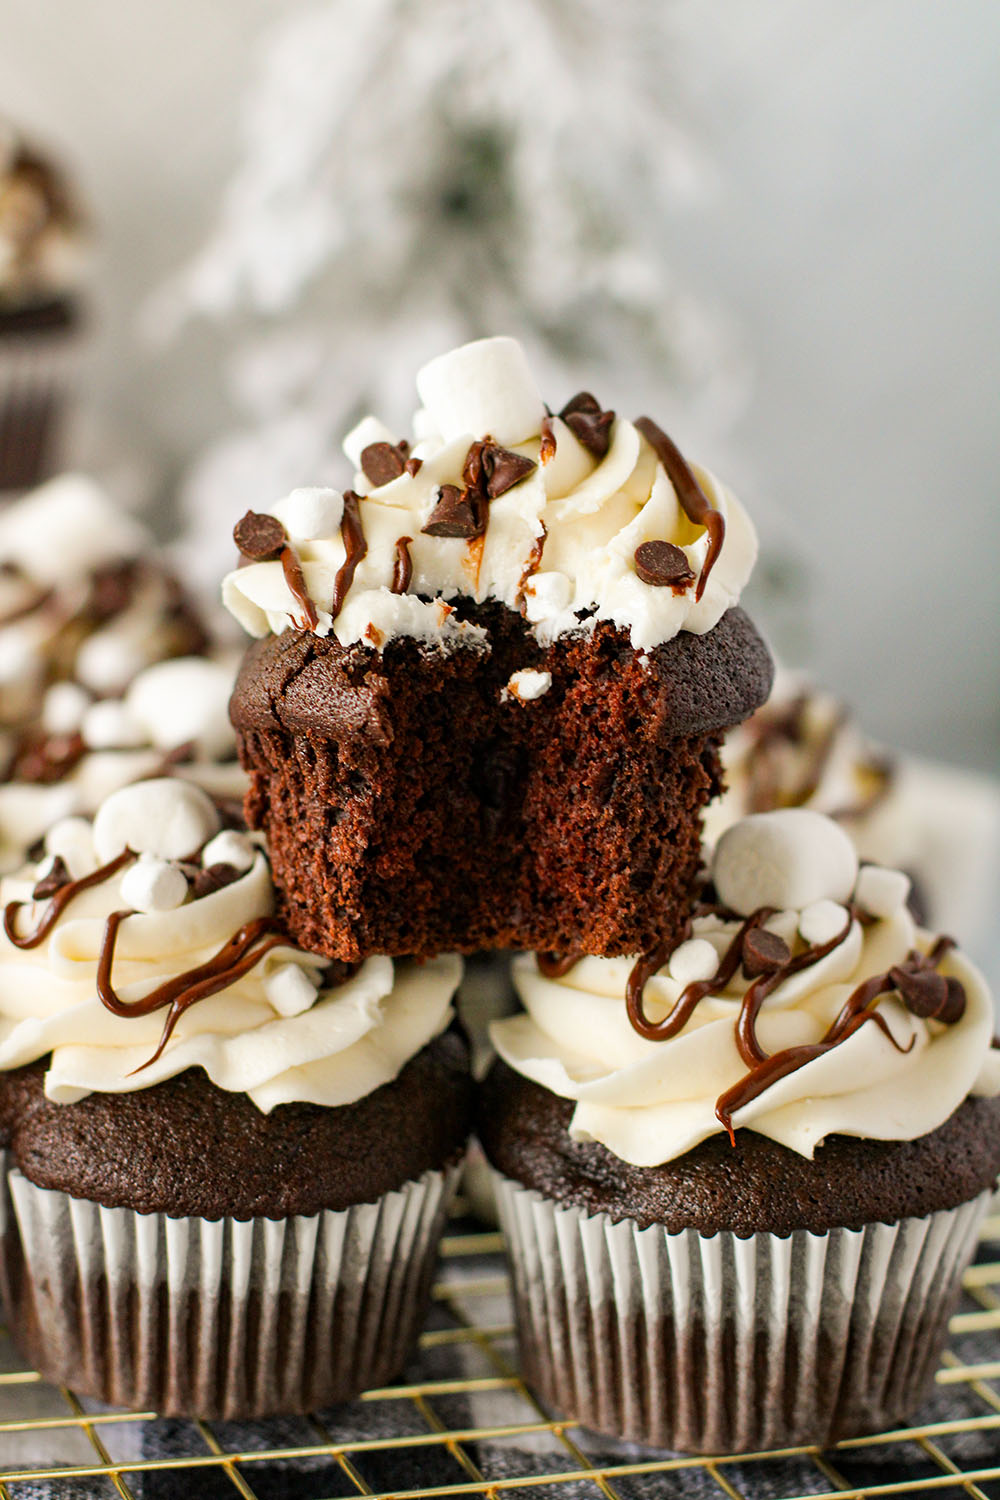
(167, 817)
(184, 700)
(309, 514)
(483, 388)
(787, 859)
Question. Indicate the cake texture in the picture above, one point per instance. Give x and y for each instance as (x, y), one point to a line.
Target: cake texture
(740, 1178)
(226, 1162)
(486, 704)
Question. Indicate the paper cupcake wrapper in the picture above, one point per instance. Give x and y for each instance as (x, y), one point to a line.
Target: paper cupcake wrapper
(37, 375)
(720, 1344)
(219, 1318)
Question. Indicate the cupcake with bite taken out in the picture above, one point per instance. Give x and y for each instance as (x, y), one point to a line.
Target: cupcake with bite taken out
(226, 1161)
(740, 1176)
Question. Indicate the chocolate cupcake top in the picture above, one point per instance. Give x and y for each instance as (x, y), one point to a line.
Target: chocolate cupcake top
(144, 944)
(804, 1003)
(43, 239)
(568, 518)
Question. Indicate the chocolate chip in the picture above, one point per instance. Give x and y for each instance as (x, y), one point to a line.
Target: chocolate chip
(259, 537)
(930, 995)
(503, 469)
(49, 759)
(588, 423)
(661, 564)
(413, 466)
(383, 462)
(54, 881)
(547, 448)
(459, 513)
(213, 879)
(402, 569)
(763, 952)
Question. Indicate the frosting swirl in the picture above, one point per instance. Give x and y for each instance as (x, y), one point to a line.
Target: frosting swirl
(650, 1101)
(498, 499)
(280, 1032)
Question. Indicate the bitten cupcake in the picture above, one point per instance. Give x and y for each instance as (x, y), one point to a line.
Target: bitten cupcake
(227, 1162)
(740, 1179)
(43, 265)
(485, 706)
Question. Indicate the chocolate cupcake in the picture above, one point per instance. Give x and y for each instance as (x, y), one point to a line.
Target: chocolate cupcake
(486, 703)
(43, 263)
(740, 1180)
(227, 1162)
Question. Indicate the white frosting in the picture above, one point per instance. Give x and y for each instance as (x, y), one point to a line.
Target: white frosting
(273, 1034)
(527, 685)
(651, 1101)
(594, 515)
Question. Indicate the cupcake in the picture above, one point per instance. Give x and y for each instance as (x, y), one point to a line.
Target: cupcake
(227, 1161)
(939, 823)
(740, 1179)
(172, 720)
(81, 600)
(490, 680)
(43, 263)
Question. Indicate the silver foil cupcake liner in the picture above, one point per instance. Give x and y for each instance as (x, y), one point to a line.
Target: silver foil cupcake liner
(38, 375)
(716, 1344)
(219, 1318)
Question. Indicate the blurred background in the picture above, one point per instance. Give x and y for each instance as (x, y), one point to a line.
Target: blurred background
(773, 227)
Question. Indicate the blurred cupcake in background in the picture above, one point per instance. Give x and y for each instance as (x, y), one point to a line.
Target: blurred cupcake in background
(44, 254)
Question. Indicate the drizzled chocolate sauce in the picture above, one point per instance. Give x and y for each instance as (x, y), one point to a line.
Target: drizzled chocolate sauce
(531, 567)
(295, 579)
(355, 548)
(58, 902)
(555, 965)
(690, 494)
(402, 570)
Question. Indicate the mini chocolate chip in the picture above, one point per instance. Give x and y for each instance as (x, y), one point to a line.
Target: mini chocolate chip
(472, 468)
(763, 952)
(54, 881)
(413, 466)
(259, 537)
(588, 423)
(458, 513)
(402, 569)
(383, 462)
(547, 448)
(661, 563)
(213, 879)
(929, 995)
(504, 469)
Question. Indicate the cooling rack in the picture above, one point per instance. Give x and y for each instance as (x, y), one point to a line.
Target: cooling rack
(461, 1422)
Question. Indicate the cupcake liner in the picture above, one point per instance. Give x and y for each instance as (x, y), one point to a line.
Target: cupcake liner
(220, 1318)
(721, 1344)
(37, 373)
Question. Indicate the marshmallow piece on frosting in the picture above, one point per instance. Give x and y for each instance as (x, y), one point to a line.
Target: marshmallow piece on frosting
(369, 430)
(153, 884)
(73, 840)
(110, 726)
(693, 960)
(170, 818)
(108, 660)
(483, 388)
(64, 707)
(229, 848)
(822, 921)
(183, 700)
(789, 858)
(289, 989)
(310, 514)
(880, 891)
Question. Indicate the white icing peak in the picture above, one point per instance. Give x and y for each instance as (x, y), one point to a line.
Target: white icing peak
(560, 542)
(649, 1101)
(277, 1032)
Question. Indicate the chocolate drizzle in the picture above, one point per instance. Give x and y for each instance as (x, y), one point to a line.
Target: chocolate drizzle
(402, 570)
(355, 548)
(58, 902)
(555, 965)
(295, 579)
(530, 569)
(692, 497)
(262, 538)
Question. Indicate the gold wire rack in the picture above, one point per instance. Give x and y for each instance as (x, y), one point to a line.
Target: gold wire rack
(462, 1422)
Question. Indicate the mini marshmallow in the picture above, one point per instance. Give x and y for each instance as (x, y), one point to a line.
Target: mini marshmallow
(229, 848)
(527, 685)
(881, 892)
(108, 660)
(369, 430)
(821, 922)
(64, 707)
(424, 427)
(73, 840)
(168, 817)
(152, 884)
(110, 726)
(290, 989)
(691, 961)
(483, 388)
(311, 514)
(784, 924)
(184, 700)
(788, 858)
(18, 654)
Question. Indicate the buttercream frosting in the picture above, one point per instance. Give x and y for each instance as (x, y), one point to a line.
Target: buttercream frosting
(281, 1032)
(559, 543)
(650, 1101)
